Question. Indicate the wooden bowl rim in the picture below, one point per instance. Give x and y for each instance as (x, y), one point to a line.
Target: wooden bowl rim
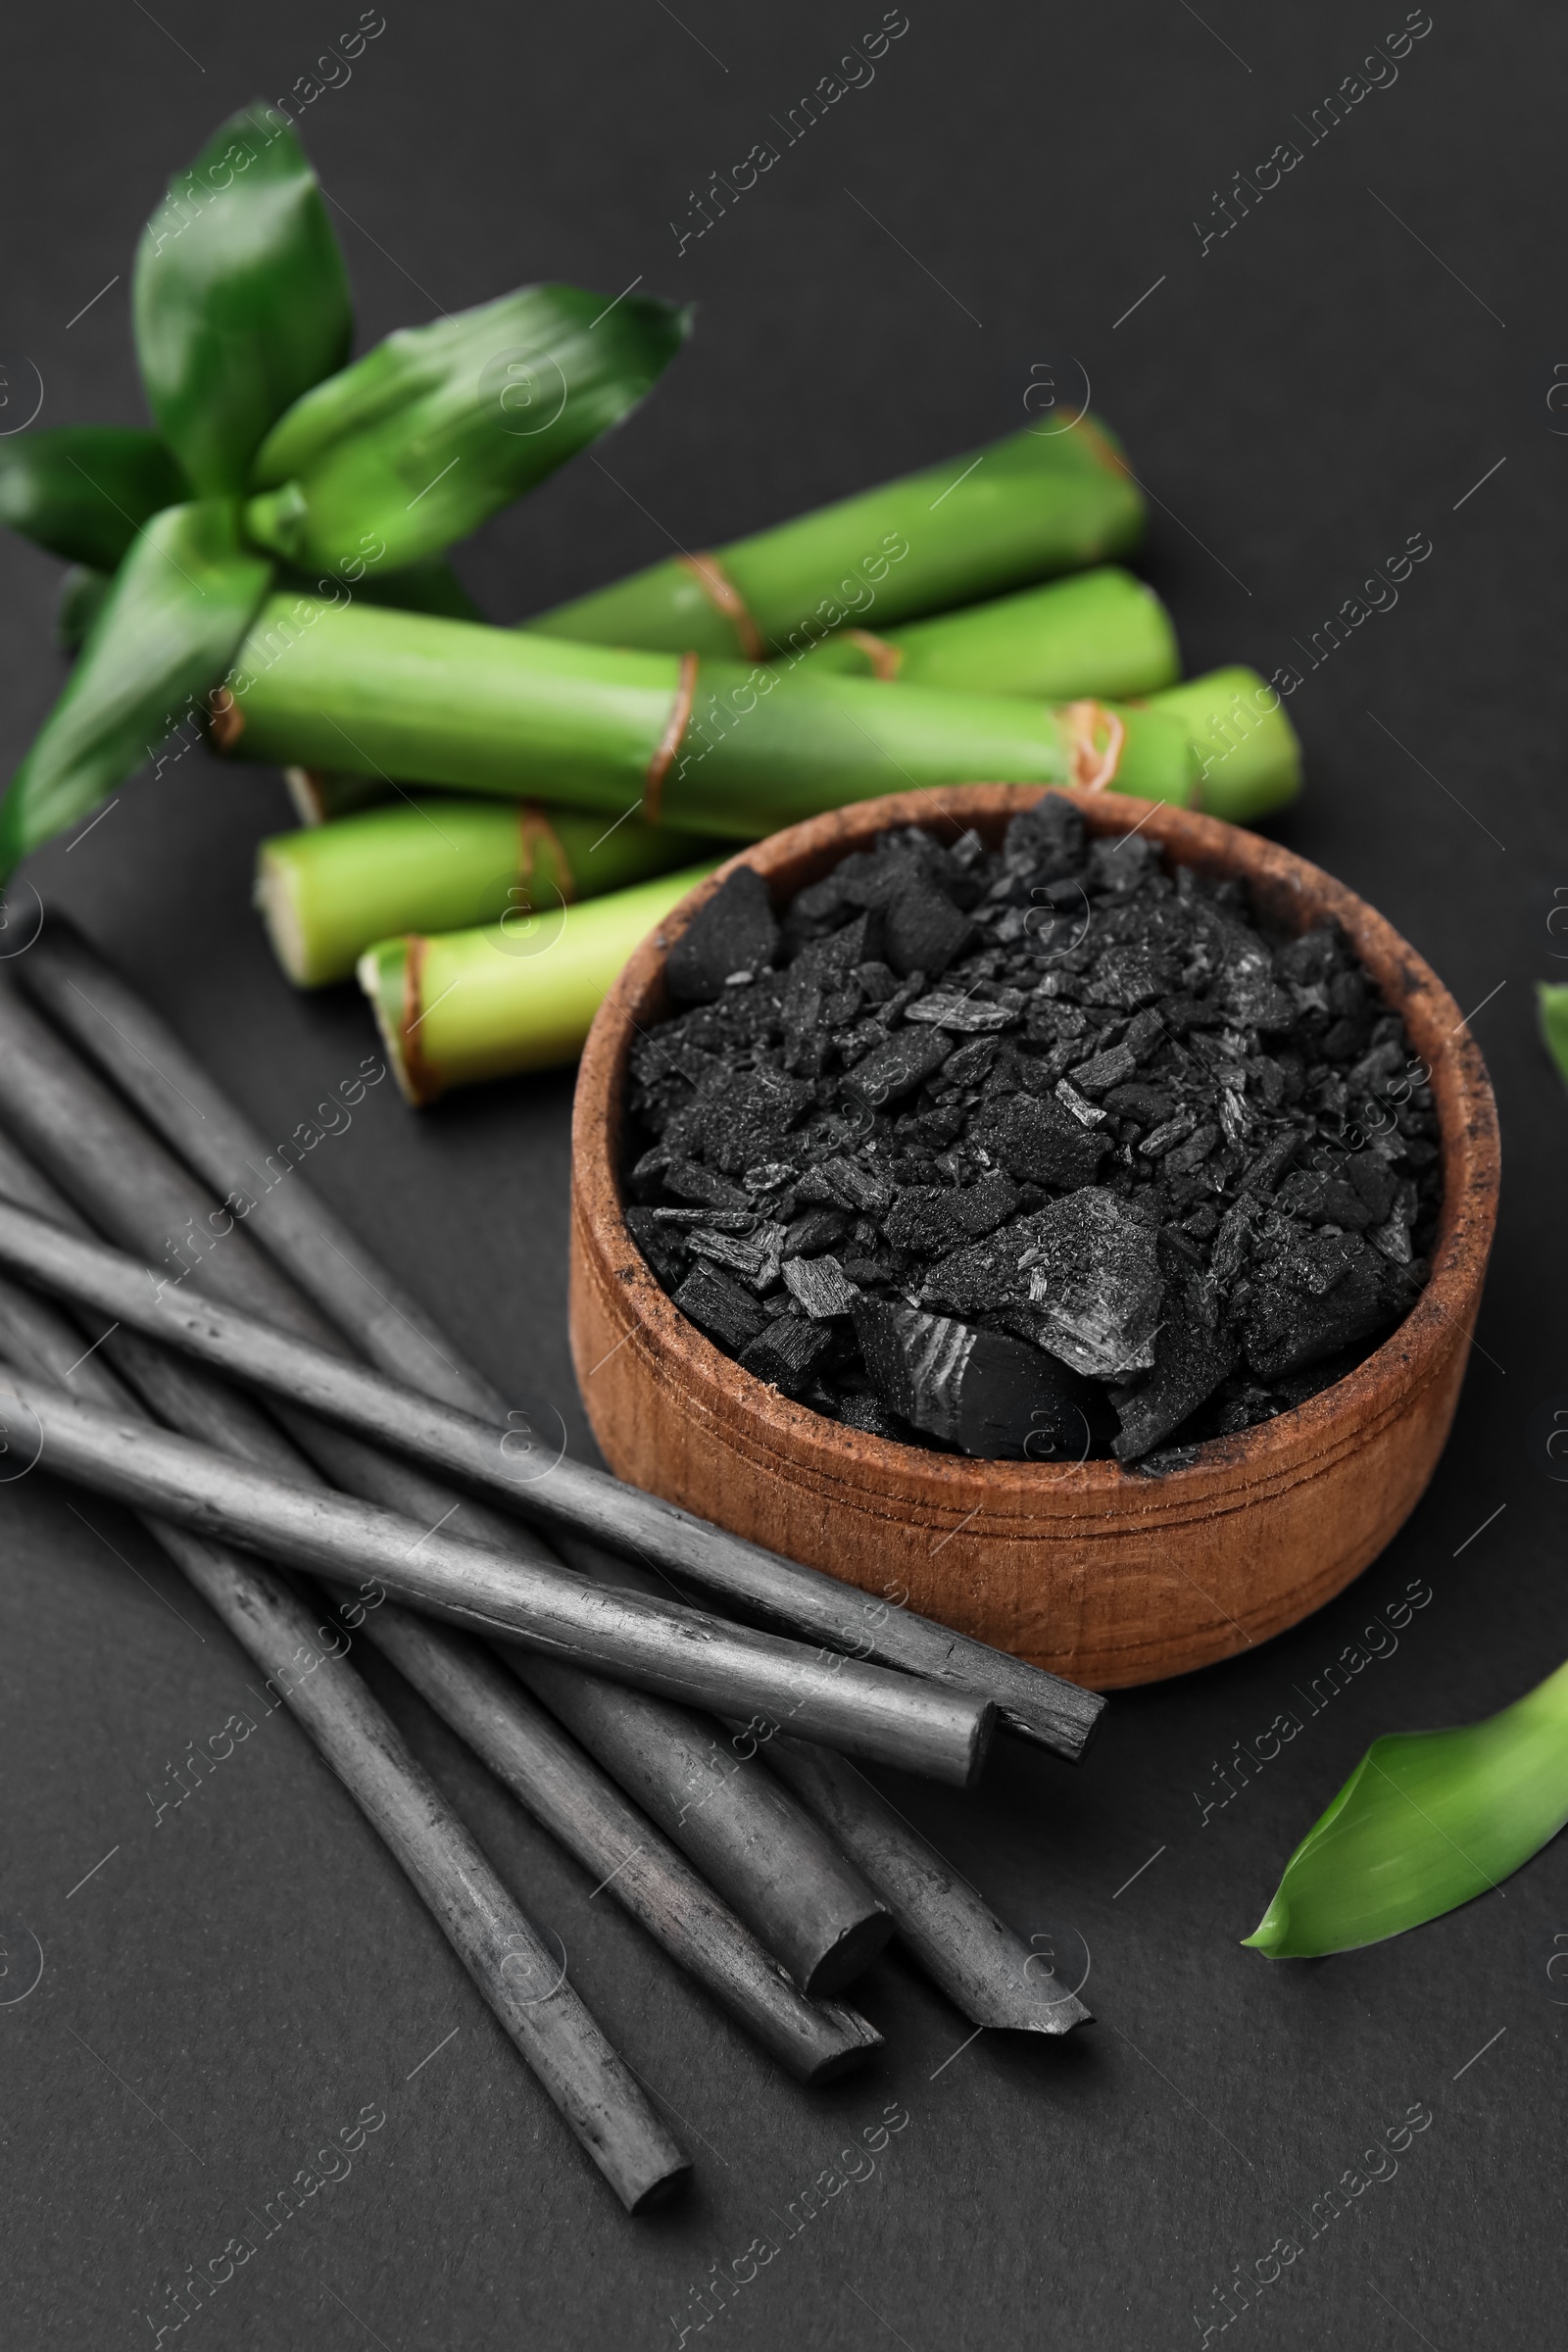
(1412, 1354)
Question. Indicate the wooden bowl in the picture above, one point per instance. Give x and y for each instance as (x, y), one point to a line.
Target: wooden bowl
(1095, 1572)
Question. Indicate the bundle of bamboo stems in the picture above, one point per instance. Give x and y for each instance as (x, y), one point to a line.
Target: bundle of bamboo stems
(664, 748)
(633, 703)
(269, 563)
(765, 1867)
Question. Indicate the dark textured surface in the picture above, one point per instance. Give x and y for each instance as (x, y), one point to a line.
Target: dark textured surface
(239, 1980)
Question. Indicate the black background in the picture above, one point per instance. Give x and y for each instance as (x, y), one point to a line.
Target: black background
(1327, 379)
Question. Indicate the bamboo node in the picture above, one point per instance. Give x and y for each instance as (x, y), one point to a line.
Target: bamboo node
(725, 598)
(669, 743)
(1091, 763)
(886, 659)
(225, 719)
(424, 1080)
(535, 832)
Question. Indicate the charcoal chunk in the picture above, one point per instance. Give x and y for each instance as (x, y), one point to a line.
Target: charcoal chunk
(1192, 1153)
(1310, 960)
(823, 966)
(1323, 1200)
(784, 1353)
(689, 1181)
(856, 1185)
(1101, 1071)
(1146, 1103)
(945, 1010)
(819, 1229)
(1120, 865)
(984, 1276)
(1264, 1173)
(895, 1069)
(1046, 842)
(1192, 1356)
(662, 1252)
(923, 931)
(1145, 1033)
(1095, 1285)
(739, 1121)
(981, 1391)
(819, 1287)
(1305, 1304)
(972, 1063)
(721, 1307)
(929, 1218)
(754, 1258)
(1039, 1141)
(1375, 1181)
(1130, 975)
(864, 1408)
(734, 932)
(1250, 994)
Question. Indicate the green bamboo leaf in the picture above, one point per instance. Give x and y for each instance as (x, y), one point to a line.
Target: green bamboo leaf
(83, 592)
(177, 609)
(429, 586)
(83, 491)
(1552, 999)
(240, 298)
(1427, 1821)
(442, 425)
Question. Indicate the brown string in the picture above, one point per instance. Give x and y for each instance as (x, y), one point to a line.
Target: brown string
(725, 598)
(534, 832)
(680, 712)
(1090, 767)
(423, 1082)
(225, 719)
(886, 659)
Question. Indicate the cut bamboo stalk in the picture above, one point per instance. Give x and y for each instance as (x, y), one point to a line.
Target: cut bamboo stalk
(1250, 755)
(511, 1961)
(761, 1850)
(327, 892)
(677, 1652)
(622, 1518)
(1101, 632)
(321, 795)
(468, 1005)
(464, 1006)
(984, 1968)
(709, 748)
(1037, 502)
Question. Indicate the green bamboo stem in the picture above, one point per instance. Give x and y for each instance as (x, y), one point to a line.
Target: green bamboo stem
(486, 1004)
(1100, 632)
(1248, 753)
(707, 748)
(975, 525)
(330, 892)
(1249, 758)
